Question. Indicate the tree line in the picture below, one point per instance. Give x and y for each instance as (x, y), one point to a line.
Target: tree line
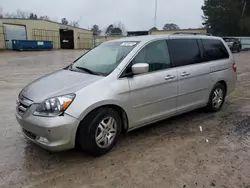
(221, 17)
(227, 17)
(119, 29)
(116, 29)
(33, 16)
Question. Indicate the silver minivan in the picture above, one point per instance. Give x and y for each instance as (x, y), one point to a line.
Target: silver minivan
(122, 85)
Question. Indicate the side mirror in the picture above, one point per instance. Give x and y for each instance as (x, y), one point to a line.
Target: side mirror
(140, 68)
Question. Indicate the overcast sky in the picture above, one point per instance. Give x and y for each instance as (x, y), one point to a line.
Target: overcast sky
(134, 14)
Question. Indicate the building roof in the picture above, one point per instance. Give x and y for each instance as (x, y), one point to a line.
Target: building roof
(137, 33)
(44, 21)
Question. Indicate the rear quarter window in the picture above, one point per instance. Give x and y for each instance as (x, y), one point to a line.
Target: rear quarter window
(214, 50)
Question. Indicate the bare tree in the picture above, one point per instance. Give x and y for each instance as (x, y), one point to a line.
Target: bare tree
(119, 24)
(54, 19)
(103, 31)
(44, 18)
(19, 14)
(9, 15)
(22, 14)
(74, 23)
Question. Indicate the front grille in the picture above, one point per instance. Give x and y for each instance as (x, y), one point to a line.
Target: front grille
(29, 134)
(23, 104)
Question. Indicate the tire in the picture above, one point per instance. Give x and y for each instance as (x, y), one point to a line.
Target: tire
(99, 131)
(215, 104)
(239, 50)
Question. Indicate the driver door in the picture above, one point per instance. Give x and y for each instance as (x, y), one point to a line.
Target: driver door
(153, 95)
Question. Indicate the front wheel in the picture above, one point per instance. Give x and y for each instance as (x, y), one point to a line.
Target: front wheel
(217, 98)
(99, 131)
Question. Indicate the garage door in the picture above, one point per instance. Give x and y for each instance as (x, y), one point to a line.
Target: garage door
(14, 32)
(67, 39)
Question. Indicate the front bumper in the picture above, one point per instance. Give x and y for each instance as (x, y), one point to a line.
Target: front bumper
(51, 133)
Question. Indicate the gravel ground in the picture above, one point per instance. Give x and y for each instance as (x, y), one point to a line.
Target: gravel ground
(171, 153)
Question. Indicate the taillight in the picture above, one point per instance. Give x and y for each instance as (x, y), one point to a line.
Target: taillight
(234, 67)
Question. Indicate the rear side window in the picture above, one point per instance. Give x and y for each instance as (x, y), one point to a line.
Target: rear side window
(214, 50)
(184, 52)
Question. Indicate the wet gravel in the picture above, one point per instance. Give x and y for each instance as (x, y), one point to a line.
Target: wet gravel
(170, 153)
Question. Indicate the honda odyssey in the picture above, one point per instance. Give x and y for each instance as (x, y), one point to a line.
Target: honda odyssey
(122, 85)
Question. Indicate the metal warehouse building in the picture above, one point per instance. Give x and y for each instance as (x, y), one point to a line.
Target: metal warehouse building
(63, 36)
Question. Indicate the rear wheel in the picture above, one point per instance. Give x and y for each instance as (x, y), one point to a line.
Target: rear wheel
(217, 98)
(99, 131)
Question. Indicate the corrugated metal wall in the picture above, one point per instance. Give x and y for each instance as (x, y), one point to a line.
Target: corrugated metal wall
(85, 41)
(47, 30)
(2, 38)
(245, 42)
(50, 35)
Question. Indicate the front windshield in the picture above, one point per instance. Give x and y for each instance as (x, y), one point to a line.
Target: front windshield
(104, 58)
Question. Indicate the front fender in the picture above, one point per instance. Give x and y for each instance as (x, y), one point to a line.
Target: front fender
(101, 93)
(102, 104)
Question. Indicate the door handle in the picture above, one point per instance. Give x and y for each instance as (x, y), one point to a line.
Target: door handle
(169, 77)
(185, 74)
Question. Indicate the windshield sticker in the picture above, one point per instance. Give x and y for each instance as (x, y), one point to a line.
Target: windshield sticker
(128, 43)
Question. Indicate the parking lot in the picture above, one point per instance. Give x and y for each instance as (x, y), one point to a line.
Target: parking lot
(171, 153)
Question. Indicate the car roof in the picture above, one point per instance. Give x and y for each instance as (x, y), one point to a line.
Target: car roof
(143, 38)
(147, 38)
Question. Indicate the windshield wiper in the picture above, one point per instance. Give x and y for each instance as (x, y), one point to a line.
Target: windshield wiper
(69, 67)
(87, 70)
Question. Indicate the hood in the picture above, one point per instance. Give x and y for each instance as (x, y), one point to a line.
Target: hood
(57, 83)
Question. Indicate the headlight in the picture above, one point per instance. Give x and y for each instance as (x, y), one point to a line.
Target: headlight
(54, 106)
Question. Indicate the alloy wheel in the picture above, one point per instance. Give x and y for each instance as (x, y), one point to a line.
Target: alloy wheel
(217, 98)
(106, 132)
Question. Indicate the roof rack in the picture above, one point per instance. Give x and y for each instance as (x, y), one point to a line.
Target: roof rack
(188, 33)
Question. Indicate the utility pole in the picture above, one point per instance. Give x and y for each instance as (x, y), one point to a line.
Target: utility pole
(244, 8)
(155, 13)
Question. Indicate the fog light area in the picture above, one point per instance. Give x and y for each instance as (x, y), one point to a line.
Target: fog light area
(42, 139)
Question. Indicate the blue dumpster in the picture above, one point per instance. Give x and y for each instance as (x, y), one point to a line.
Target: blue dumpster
(31, 45)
